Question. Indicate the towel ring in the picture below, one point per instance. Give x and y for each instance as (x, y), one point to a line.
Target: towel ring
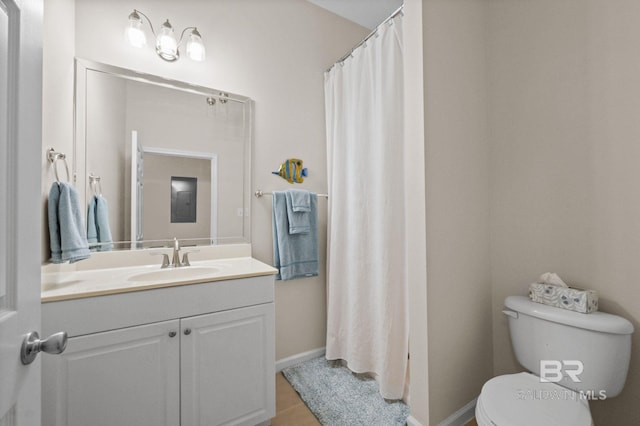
(95, 184)
(53, 157)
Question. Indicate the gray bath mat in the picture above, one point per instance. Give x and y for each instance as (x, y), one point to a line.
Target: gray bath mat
(338, 397)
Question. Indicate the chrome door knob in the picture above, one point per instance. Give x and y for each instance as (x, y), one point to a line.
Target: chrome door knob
(32, 345)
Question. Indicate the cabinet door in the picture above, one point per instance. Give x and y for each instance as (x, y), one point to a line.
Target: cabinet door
(228, 367)
(127, 377)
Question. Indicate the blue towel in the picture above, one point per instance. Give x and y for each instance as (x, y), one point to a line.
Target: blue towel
(298, 208)
(92, 229)
(66, 231)
(295, 255)
(98, 230)
(300, 200)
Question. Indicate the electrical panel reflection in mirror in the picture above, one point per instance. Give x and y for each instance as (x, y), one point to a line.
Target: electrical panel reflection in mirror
(184, 196)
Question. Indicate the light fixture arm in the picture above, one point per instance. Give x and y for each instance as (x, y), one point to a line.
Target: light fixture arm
(184, 31)
(153, 31)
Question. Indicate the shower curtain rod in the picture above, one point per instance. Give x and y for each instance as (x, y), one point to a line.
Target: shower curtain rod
(364, 40)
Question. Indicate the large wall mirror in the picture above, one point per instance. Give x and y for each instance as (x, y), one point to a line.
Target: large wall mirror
(171, 159)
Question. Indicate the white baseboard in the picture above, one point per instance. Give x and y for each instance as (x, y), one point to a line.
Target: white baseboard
(281, 364)
(462, 416)
(411, 421)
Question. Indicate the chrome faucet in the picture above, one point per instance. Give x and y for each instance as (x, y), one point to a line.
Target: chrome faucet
(176, 254)
(175, 259)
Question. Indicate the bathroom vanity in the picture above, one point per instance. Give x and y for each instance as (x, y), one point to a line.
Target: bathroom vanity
(145, 348)
(149, 345)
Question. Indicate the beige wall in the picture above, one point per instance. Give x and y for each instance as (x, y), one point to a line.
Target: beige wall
(565, 99)
(158, 171)
(457, 206)
(531, 156)
(272, 51)
(416, 241)
(57, 94)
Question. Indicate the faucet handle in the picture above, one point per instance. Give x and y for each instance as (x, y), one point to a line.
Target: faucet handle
(185, 257)
(165, 259)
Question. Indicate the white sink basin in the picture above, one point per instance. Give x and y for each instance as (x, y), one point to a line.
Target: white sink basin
(174, 274)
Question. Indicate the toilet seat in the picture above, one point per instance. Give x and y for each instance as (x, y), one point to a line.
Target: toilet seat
(522, 400)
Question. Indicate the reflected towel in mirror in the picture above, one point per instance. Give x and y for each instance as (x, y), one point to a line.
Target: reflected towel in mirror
(98, 230)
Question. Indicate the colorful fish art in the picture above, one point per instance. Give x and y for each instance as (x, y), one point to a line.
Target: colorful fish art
(292, 171)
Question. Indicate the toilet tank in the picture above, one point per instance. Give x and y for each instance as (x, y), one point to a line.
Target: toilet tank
(598, 343)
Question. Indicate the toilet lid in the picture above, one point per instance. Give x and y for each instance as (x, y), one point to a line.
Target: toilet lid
(522, 400)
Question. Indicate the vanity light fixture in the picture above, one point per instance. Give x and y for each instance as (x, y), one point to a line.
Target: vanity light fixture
(167, 47)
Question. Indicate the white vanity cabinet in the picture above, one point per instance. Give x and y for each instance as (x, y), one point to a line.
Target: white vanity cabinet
(129, 376)
(198, 354)
(229, 348)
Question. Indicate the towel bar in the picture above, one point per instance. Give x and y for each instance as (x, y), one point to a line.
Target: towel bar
(259, 193)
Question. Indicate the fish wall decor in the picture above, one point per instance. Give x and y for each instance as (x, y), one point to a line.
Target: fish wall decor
(292, 171)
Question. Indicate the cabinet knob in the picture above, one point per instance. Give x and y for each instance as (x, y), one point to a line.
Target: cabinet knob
(187, 331)
(172, 333)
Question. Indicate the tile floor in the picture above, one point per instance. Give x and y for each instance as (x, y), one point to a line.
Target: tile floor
(291, 410)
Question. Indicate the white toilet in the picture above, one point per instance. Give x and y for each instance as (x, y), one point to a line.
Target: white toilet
(584, 356)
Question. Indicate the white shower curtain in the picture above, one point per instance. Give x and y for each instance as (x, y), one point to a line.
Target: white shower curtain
(367, 289)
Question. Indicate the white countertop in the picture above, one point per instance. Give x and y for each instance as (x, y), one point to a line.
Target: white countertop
(74, 284)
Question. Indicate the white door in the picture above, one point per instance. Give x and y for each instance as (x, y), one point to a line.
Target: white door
(20, 207)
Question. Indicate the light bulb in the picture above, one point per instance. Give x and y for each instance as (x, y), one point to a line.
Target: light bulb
(195, 48)
(134, 32)
(166, 44)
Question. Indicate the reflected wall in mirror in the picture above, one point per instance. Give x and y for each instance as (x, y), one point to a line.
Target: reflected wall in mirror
(161, 208)
(137, 132)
